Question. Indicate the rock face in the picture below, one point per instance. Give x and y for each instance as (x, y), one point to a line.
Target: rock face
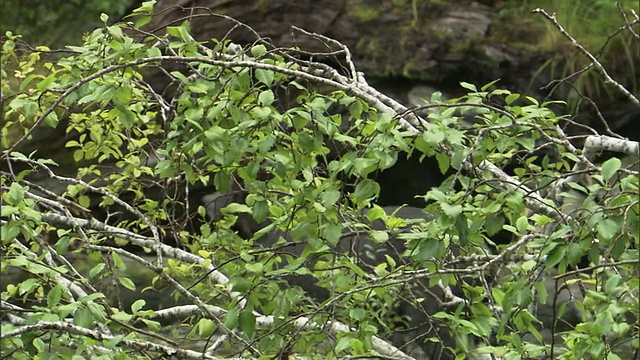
(433, 41)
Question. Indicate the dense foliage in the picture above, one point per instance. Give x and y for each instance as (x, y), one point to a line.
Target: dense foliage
(119, 258)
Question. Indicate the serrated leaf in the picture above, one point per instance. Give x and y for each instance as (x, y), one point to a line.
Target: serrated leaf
(608, 229)
(51, 120)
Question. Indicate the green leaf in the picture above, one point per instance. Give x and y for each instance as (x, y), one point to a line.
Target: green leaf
(83, 317)
(39, 344)
(330, 197)
(247, 322)
(610, 167)
(46, 83)
(206, 328)
(91, 297)
(612, 283)
(152, 325)
(375, 213)
(451, 210)
(8, 231)
(343, 344)
(266, 98)
(146, 8)
(142, 21)
(463, 229)
(603, 323)
(15, 196)
(98, 311)
(434, 137)
(125, 115)
(357, 314)
(84, 201)
(264, 76)
(240, 284)
(54, 296)
(379, 237)
(258, 50)
(127, 283)
(443, 162)
(137, 305)
(256, 268)
(511, 98)
(231, 319)
(51, 120)
(555, 256)
(608, 228)
(31, 214)
(468, 86)
(116, 32)
(366, 189)
(521, 224)
(181, 32)
(332, 233)
(194, 116)
(237, 208)
(96, 270)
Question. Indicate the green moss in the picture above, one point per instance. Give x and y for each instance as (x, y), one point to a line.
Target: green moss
(363, 13)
